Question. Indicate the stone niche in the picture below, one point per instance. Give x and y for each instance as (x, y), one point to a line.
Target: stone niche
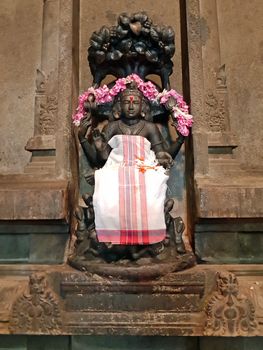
(217, 67)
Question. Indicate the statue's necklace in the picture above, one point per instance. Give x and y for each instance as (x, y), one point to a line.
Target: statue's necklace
(131, 129)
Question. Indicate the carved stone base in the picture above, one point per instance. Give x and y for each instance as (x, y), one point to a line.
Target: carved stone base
(205, 300)
(143, 269)
(168, 306)
(36, 310)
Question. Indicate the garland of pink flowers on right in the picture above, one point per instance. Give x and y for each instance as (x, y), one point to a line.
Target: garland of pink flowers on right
(104, 94)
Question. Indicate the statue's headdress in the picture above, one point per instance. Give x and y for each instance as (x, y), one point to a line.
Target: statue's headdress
(131, 88)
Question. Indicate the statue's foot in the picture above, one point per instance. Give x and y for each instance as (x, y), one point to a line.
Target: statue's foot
(180, 248)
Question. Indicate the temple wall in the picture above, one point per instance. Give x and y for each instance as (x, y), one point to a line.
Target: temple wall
(240, 28)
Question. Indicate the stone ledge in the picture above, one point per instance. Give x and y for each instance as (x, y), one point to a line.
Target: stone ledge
(229, 197)
(32, 198)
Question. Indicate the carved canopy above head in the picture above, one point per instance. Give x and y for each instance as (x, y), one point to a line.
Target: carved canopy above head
(134, 45)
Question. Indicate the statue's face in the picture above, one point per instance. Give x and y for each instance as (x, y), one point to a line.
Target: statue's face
(131, 105)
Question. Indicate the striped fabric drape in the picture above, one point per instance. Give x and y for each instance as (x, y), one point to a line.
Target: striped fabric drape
(129, 194)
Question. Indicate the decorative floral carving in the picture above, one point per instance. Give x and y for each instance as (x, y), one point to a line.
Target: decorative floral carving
(47, 115)
(37, 310)
(229, 313)
(215, 112)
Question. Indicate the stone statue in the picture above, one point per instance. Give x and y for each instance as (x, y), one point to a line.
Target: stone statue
(130, 122)
(127, 219)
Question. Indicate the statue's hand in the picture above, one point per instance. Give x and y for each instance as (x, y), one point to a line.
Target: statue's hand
(96, 135)
(170, 104)
(165, 159)
(90, 104)
(98, 139)
(85, 124)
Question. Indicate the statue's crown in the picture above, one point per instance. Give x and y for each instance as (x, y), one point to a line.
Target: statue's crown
(132, 88)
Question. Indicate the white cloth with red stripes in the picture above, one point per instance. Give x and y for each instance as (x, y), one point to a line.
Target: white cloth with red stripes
(129, 194)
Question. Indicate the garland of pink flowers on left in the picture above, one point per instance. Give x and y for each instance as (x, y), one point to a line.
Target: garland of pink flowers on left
(180, 110)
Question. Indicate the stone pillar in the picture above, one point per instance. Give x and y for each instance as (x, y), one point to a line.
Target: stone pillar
(221, 140)
(52, 138)
(213, 140)
(43, 143)
(67, 92)
(43, 194)
(197, 87)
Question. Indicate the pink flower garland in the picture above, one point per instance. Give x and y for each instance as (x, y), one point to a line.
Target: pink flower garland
(103, 94)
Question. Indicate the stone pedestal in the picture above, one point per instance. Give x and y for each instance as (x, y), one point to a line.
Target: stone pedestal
(169, 306)
(215, 300)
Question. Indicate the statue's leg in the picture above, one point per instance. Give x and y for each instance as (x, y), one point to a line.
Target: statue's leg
(168, 206)
(146, 251)
(104, 249)
(174, 228)
(82, 243)
(179, 227)
(155, 249)
(86, 234)
(90, 215)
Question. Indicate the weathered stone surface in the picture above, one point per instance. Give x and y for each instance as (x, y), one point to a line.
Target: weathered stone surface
(48, 343)
(82, 300)
(217, 343)
(133, 343)
(34, 248)
(20, 30)
(231, 197)
(93, 305)
(229, 247)
(14, 248)
(41, 142)
(29, 199)
(218, 58)
(229, 241)
(10, 288)
(48, 248)
(174, 292)
(13, 343)
(241, 46)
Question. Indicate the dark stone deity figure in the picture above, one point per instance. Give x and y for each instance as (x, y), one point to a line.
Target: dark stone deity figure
(126, 228)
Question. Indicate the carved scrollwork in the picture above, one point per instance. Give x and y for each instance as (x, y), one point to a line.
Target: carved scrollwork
(228, 312)
(47, 115)
(215, 112)
(36, 310)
